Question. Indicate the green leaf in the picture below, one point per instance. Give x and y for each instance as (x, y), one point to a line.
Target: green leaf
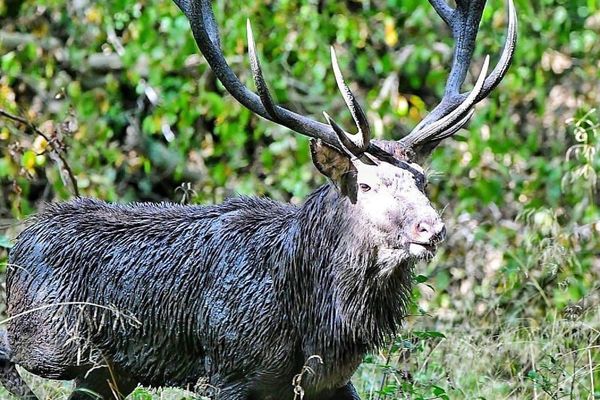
(438, 391)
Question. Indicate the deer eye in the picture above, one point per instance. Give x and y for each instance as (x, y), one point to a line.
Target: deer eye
(364, 187)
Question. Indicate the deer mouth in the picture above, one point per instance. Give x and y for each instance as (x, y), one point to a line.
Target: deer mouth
(422, 249)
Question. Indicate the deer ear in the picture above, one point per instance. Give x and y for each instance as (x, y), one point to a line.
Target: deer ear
(335, 165)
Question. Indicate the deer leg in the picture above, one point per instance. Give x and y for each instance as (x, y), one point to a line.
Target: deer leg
(102, 383)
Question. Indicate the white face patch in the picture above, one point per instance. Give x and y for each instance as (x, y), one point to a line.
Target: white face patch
(392, 201)
(380, 196)
(388, 190)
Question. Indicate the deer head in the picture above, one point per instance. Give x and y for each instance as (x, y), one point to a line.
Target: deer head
(378, 177)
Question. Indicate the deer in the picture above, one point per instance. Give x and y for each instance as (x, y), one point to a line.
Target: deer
(242, 296)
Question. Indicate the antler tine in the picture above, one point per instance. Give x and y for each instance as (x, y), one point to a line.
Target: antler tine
(463, 21)
(508, 51)
(204, 28)
(348, 144)
(431, 132)
(259, 80)
(433, 142)
(456, 127)
(360, 141)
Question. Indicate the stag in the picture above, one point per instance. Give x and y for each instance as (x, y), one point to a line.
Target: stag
(243, 294)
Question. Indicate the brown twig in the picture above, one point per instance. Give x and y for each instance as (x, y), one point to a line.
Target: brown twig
(55, 149)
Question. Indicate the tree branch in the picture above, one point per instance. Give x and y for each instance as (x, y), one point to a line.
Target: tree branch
(51, 143)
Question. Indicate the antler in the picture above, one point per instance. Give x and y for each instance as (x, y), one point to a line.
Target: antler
(204, 28)
(451, 114)
(455, 108)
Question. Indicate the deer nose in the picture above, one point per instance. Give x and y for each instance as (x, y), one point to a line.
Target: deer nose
(430, 232)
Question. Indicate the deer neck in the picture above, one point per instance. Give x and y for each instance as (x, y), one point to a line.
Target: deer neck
(339, 276)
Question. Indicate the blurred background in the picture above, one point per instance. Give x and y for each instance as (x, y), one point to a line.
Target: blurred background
(115, 101)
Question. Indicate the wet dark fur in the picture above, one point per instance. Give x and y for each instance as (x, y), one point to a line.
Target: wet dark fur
(242, 293)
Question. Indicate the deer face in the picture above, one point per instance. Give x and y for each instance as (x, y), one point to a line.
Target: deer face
(392, 199)
(388, 197)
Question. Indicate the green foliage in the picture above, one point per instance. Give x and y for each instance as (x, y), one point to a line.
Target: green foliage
(510, 306)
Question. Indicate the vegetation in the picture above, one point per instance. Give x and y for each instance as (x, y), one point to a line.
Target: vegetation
(116, 100)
